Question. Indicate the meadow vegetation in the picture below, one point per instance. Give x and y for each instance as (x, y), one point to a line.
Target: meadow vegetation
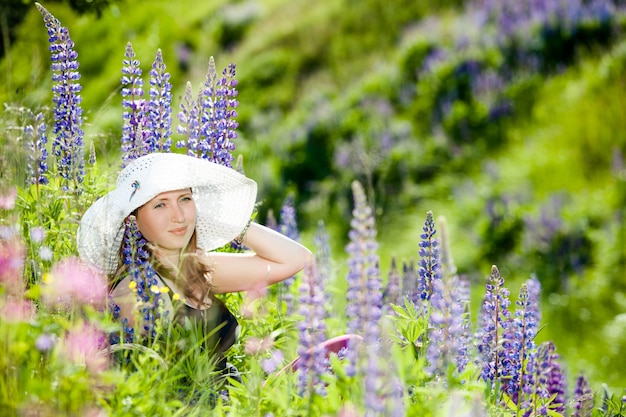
(463, 143)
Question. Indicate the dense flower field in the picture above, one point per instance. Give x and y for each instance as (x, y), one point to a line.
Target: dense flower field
(408, 344)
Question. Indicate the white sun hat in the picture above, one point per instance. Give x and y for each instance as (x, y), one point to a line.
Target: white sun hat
(224, 201)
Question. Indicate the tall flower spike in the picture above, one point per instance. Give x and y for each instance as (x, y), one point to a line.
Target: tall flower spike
(189, 122)
(218, 115)
(323, 260)
(583, 398)
(518, 346)
(364, 293)
(312, 332)
(548, 380)
(288, 226)
(136, 257)
(135, 113)
(160, 107)
(409, 282)
(493, 321)
(68, 113)
(446, 328)
(392, 293)
(36, 141)
(429, 264)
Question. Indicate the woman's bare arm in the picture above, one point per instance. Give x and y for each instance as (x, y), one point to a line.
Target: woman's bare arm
(273, 258)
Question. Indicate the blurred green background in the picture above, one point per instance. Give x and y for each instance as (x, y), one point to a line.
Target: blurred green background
(513, 130)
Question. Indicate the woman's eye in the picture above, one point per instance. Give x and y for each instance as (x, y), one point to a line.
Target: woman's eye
(186, 198)
(159, 205)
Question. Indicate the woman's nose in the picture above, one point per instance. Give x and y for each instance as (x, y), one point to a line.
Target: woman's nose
(178, 215)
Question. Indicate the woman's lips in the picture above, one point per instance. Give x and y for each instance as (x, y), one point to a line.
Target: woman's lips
(179, 231)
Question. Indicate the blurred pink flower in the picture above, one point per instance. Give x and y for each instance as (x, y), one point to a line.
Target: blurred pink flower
(7, 202)
(12, 254)
(255, 345)
(14, 311)
(348, 411)
(72, 281)
(82, 344)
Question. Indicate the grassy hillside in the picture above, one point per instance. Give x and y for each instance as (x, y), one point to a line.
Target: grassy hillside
(519, 142)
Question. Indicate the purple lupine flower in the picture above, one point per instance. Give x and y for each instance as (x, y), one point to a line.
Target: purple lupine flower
(493, 322)
(556, 384)
(288, 226)
(384, 392)
(270, 220)
(446, 328)
(68, 113)
(36, 140)
(364, 295)
(189, 122)
(548, 379)
(135, 113)
(137, 259)
(312, 333)
(429, 265)
(534, 293)
(527, 317)
(160, 107)
(92, 154)
(323, 259)
(392, 293)
(218, 114)
(409, 282)
(583, 398)
(518, 345)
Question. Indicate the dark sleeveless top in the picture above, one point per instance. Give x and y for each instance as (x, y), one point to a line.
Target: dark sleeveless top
(216, 320)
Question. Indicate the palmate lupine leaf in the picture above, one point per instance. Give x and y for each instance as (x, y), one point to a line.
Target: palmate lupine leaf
(67, 145)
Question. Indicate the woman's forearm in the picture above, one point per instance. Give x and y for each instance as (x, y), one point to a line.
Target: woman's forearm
(273, 258)
(276, 247)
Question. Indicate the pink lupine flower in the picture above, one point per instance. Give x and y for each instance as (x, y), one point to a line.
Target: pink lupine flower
(17, 311)
(12, 254)
(256, 345)
(71, 281)
(7, 201)
(82, 345)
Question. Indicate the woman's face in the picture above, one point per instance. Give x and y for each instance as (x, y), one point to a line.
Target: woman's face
(168, 220)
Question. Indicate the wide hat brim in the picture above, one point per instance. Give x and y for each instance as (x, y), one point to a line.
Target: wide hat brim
(224, 201)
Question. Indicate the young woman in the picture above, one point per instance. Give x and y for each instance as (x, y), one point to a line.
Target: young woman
(185, 208)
